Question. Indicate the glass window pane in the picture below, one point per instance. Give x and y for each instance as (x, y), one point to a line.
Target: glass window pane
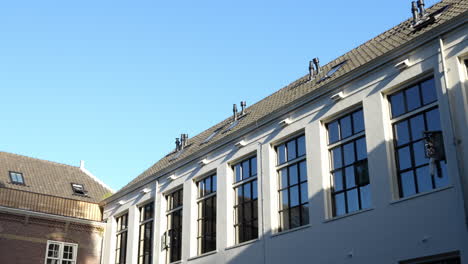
(417, 127)
(336, 158)
(358, 121)
(333, 132)
(340, 208)
(404, 158)
(366, 200)
(248, 208)
(424, 179)
(348, 151)
(283, 176)
(350, 177)
(428, 91)
(245, 169)
(253, 166)
(239, 195)
(281, 152)
(408, 186)
(284, 200)
(295, 217)
(441, 179)
(293, 177)
(237, 172)
(301, 146)
(294, 196)
(413, 100)
(284, 219)
(338, 180)
(419, 153)
(201, 189)
(254, 190)
(397, 104)
(303, 171)
(353, 200)
(305, 214)
(433, 120)
(362, 173)
(361, 148)
(214, 183)
(304, 193)
(291, 146)
(208, 185)
(402, 133)
(345, 125)
(247, 192)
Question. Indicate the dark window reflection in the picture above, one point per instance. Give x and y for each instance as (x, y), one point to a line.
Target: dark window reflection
(414, 173)
(348, 166)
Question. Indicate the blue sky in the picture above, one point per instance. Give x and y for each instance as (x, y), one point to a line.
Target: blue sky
(114, 82)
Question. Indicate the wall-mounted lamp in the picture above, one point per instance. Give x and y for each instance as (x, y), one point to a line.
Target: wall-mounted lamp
(404, 64)
(285, 122)
(240, 144)
(203, 162)
(337, 97)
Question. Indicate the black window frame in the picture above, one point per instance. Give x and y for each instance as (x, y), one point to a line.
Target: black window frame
(14, 181)
(174, 228)
(121, 239)
(245, 227)
(145, 234)
(356, 167)
(206, 224)
(302, 206)
(76, 190)
(407, 117)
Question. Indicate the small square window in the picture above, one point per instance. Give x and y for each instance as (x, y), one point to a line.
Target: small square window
(16, 177)
(78, 189)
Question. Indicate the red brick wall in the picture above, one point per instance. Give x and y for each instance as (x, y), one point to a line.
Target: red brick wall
(23, 240)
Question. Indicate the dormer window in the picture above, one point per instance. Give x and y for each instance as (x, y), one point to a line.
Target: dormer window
(16, 177)
(78, 189)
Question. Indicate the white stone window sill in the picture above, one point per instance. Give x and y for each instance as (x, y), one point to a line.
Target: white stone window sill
(421, 194)
(203, 255)
(290, 230)
(243, 244)
(348, 215)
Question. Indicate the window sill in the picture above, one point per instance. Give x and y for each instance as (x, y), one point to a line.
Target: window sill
(202, 255)
(242, 244)
(176, 262)
(348, 215)
(421, 194)
(290, 230)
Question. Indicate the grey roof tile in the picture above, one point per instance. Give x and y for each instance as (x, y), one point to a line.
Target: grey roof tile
(365, 53)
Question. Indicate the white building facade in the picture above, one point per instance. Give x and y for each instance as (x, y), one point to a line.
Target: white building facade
(340, 175)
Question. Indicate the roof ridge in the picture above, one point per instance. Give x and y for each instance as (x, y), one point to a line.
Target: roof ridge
(384, 48)
(38, 159)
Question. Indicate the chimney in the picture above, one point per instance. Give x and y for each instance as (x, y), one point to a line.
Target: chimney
(82, 164)
(183, 141)
(317, 65)
(422, 10)
(234, 110)
(414, 10)
(177, 143)
(311, 70)
(243, 104)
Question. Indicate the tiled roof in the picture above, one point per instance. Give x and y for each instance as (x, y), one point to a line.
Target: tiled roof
(50, 178)
(366, 53)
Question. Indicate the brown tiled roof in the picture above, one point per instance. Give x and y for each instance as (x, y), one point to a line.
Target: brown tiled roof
(50, 178)
(372, 50)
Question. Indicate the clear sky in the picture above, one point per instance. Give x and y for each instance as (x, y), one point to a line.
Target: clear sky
(114, 82)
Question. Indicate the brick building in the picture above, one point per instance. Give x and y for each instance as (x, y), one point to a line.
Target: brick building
(49, 212)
